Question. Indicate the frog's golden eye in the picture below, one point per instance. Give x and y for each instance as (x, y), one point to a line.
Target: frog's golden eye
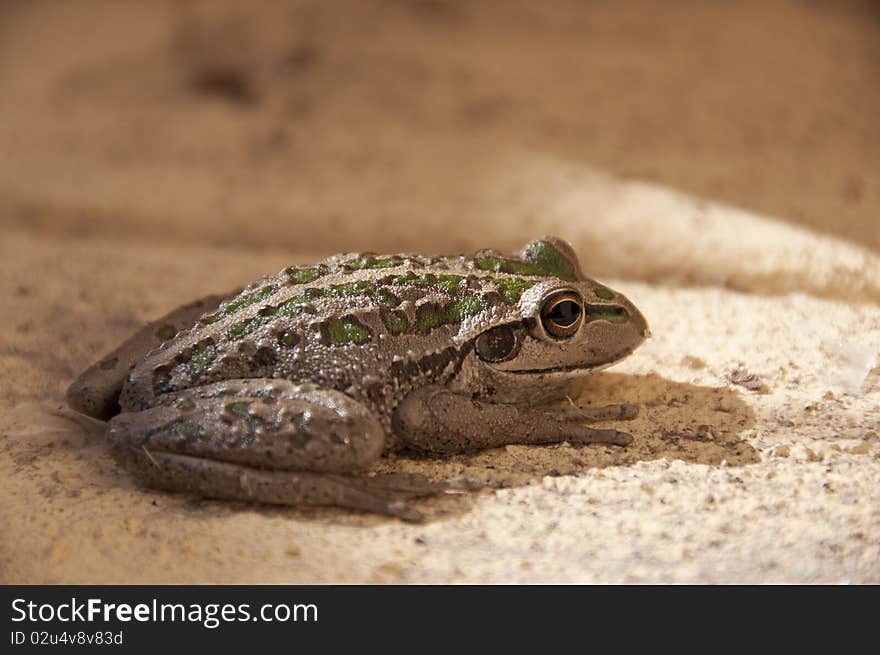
(562, 314)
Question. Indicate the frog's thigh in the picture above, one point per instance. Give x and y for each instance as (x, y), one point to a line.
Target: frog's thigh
(435, 419)
(96, 391)
(266, 423)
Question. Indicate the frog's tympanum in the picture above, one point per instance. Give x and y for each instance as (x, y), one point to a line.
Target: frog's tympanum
(289, 390)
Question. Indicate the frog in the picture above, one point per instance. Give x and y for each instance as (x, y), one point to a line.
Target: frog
(289, 390)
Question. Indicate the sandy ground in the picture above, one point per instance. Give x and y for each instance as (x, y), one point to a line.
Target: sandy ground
(717, 164)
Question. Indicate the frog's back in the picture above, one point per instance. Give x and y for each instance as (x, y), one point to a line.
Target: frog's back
(372, 326)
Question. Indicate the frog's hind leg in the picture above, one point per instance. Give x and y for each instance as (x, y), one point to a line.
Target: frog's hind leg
(266, 423)
(266, 440)
(216, 479)
(96, 391)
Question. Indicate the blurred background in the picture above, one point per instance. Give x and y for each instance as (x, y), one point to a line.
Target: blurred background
(400, 124)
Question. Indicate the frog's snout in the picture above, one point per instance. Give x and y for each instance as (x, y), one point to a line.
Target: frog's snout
(642, 323)
(634, 331)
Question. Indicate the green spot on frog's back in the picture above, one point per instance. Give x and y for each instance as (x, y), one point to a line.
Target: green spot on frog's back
(512, 288)
(386, 298)
(465, 307)
(244, 328)
(428, 317)
(505, 265)
(240, 409)
(370, 260)
(449, 283)
(363, 288)
(443, 282)
(345, 330)
(294, 305)
(185, 429)
(604, 293)
(161, 381)
(302, 275)
(242, 300)
(289, 337)
(395, 322)
(201, 358)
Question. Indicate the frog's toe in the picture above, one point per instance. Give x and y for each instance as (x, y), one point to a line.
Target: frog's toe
(461, 483)
(628, 411)
(621, 438)
(404, 512)
(587, 435)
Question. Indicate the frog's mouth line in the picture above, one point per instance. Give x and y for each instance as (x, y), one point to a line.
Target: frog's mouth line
(612, 359)
(561, 369)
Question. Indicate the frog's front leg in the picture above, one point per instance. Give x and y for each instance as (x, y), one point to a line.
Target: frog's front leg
(261, 440)
(437, 420)
(96, 391)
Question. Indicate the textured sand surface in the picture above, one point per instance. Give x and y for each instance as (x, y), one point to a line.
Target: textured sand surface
(155, 154)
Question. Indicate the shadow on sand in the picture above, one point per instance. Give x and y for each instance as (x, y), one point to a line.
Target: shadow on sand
(702, 425)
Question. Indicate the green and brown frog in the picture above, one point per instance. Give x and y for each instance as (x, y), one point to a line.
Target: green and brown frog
(289, 390)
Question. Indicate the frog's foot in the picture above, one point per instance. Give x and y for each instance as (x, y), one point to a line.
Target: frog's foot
(214, 479)
(436, 419)
(623, 412)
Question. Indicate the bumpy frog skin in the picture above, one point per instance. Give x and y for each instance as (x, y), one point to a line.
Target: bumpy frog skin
(289, 390)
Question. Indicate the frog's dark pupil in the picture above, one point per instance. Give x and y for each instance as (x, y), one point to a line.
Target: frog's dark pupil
(565, 313)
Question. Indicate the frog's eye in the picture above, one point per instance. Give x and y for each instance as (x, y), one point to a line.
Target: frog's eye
(562, 314)
(497, 345)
